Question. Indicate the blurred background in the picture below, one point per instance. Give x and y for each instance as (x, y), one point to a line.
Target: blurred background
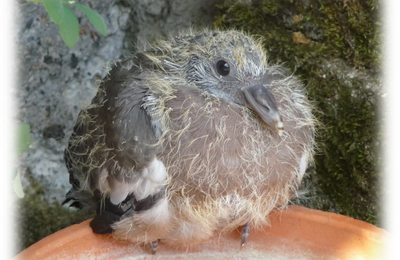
(334, 47)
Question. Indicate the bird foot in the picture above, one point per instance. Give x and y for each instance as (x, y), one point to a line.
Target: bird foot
(153, 247)
(245, 233)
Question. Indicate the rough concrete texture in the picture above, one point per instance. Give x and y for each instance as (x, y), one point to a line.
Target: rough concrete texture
(55, 83)
(155, 17)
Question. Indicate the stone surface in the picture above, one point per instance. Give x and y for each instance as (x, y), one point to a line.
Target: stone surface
(55, 82)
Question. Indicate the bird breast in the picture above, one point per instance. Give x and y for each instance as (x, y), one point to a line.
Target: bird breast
(213, 148)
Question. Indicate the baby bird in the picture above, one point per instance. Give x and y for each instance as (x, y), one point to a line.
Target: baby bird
(193, 135)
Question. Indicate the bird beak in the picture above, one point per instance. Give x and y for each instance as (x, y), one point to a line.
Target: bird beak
(261, 100)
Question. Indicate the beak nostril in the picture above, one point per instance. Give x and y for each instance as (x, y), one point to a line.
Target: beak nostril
(266, 107)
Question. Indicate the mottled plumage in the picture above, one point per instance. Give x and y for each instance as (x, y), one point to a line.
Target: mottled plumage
(193, 135)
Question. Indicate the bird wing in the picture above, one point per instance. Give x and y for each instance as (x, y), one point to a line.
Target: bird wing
(111, 154)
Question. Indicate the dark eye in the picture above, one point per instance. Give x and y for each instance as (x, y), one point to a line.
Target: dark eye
(223, 68)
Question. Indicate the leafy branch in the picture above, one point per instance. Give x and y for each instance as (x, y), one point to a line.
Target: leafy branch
(62, 15)
(23, 143)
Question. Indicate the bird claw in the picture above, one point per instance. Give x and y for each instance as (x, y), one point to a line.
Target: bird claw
(245, 233)
(153, 247)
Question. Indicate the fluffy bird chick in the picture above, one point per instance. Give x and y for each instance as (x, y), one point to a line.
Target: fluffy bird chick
(193, 135)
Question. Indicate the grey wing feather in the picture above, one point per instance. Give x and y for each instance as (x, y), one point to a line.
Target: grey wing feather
(113, 139)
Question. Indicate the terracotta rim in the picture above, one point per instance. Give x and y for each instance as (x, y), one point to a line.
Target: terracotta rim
(294, 232)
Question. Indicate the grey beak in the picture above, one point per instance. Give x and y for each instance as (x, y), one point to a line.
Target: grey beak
(261, 100)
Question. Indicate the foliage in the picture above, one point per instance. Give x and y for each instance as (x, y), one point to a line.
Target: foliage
(62, 15)
(18, 141)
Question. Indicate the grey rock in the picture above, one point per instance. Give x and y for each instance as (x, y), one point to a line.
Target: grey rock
(56, 82)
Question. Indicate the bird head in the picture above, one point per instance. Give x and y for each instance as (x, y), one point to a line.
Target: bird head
(227, 64)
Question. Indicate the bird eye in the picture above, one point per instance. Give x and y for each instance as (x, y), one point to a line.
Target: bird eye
(223, 68)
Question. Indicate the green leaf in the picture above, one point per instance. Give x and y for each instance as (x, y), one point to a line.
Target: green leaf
(55, 9)
(18, 186)
(11, 174)
(94, 17)
(23, 138)
(69, 28)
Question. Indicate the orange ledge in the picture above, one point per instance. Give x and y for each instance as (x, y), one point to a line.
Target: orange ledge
(294, 233)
